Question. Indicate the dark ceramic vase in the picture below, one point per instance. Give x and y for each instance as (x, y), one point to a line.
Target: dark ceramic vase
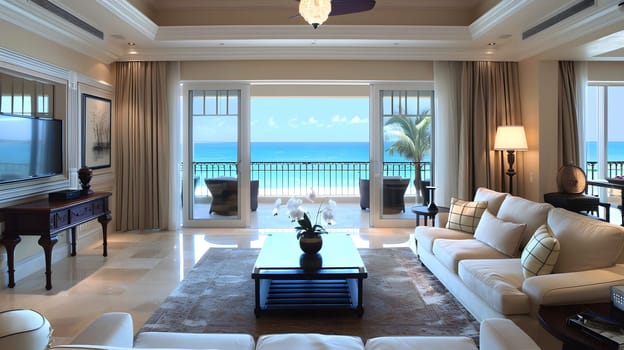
(311, 245)
(85, 174)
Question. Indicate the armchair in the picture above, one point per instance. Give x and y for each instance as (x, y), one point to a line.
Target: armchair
(393, 193)
(224, 192)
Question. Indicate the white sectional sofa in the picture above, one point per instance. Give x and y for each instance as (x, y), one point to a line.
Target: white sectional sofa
(484, 269)
(29, 330)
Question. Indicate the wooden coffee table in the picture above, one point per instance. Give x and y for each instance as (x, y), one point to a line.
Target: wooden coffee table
(282, 284)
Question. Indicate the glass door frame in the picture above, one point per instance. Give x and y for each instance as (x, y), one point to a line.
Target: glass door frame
(376, 218)
(243, 161)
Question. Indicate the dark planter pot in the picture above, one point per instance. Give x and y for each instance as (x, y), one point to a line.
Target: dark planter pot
(311, 245)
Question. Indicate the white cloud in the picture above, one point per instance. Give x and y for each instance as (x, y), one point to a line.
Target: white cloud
(358, 120)
(338, 119)
(272, 123)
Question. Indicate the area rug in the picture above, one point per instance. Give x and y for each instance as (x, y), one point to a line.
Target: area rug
(401, 297)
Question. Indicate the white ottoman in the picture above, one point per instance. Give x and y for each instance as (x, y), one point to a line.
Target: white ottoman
(24, 329)
(309, 341)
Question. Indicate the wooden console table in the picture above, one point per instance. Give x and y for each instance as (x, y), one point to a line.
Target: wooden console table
(47, 219)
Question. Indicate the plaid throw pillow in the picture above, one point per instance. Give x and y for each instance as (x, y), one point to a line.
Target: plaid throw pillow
(540, 254)
(464, 216)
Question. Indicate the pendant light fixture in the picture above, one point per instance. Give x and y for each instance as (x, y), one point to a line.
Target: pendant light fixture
(315, 12)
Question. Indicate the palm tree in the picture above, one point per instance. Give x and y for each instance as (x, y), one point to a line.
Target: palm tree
(412, 140)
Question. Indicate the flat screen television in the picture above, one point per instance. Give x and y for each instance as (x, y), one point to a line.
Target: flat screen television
(30, 148)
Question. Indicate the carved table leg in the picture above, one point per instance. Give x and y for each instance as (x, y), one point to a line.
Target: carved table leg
(47, 243)
(9, 244)
(104, 220)
(73, 241)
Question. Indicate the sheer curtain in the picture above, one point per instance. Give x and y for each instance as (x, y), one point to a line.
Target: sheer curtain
(447, 78)
(142, 165)
(490, 97)
(567, 129)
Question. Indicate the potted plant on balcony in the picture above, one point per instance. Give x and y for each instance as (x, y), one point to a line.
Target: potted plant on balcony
(412, 137)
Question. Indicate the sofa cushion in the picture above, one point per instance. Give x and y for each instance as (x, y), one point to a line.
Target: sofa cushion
(24, 329)
(498, 282)
(308, 341)
(494, 198)
(501, 235)
(222, 341)
(426, 235)
(451, 251)
(464, 215)
(524, 211)
(586, 243)
(540, 254)
(504, 334)
(420, 342)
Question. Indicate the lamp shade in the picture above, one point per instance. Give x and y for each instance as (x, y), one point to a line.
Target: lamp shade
(315, 12)
(510, 138)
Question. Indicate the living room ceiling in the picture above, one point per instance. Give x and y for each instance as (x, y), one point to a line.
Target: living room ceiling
(121, 30)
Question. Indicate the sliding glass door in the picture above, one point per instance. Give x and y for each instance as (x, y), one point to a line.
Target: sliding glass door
(216, 165)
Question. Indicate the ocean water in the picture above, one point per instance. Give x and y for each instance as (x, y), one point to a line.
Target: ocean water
(291, 152)
(615, 151)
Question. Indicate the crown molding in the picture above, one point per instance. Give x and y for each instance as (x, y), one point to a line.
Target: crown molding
(36, 20)
(309, 53)
(350, 32)
(602, 16)
(131, 16)
(497, 15)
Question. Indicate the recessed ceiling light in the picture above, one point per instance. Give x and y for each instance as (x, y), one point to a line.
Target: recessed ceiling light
(492, 44)
(131, 43)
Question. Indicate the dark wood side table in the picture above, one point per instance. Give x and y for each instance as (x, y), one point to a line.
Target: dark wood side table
(554, 319)
(47, 219)
(426, 213)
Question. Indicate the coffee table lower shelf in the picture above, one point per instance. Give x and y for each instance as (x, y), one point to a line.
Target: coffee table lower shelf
(291, 289)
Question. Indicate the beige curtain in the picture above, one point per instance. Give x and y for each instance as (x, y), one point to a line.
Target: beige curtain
(142, 177)
(490, 97)
(567, 127)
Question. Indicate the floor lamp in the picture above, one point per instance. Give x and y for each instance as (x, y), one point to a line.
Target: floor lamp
(510, 139)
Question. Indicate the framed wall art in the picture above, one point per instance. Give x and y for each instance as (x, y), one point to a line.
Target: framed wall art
(96, 131)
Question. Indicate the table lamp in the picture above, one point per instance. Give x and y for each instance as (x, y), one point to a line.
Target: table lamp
(511, 139)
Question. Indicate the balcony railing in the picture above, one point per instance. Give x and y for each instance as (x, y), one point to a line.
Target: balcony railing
(332, 179)
(614, 168)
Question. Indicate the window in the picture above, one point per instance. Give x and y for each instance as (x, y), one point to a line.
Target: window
(604, 141)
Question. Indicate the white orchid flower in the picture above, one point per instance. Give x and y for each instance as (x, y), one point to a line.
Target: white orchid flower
(328, 216)
(278, 204)
(331, 204)
(295, 208)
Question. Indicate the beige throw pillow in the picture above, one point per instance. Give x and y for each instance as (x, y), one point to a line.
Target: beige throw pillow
(464, 216)
(503, 236)
(540, 254)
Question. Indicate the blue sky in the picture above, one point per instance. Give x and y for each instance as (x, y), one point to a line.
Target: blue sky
(295, 119)
(615, 109)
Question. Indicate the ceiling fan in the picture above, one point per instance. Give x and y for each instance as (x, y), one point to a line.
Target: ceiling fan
(316, 12)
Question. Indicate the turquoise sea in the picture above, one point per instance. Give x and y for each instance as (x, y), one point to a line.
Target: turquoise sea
(615, 151)
(291, 152)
